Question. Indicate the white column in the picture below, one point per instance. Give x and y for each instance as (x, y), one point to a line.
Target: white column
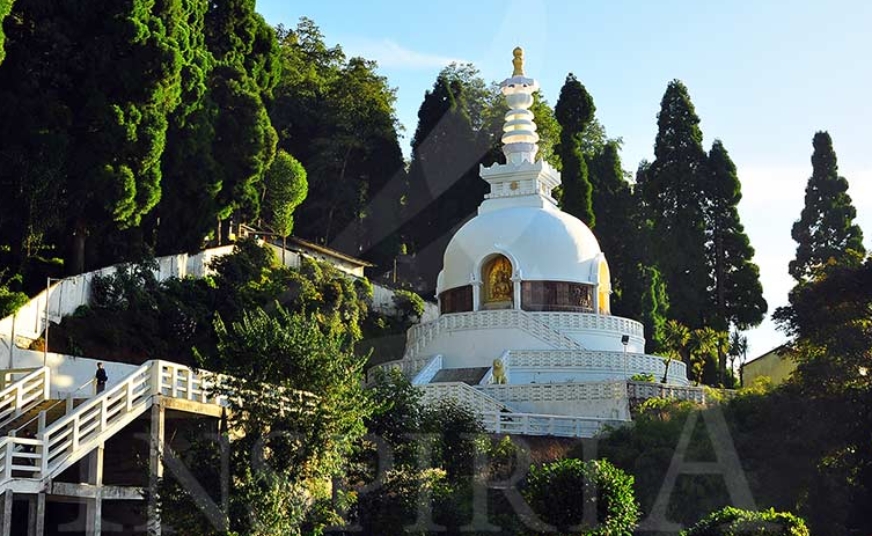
(516, 280)
(6, 513)
(155, 465)
(94, 507)
(476, 294)
(36, 515)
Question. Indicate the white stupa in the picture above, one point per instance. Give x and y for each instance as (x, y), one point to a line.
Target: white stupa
(525, 334)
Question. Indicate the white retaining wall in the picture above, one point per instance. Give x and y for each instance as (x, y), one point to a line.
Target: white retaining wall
(68, 373)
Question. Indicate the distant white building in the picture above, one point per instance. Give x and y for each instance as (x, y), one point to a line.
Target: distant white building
(525, 335)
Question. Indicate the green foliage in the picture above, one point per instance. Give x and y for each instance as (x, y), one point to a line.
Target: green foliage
(5, 8)
(826, 228)
(703, 350)
(558, 491)
(673, 191)
(409, 305)
(285, 188)
(735, 522)
(738, 293)
(574, 111)
(829, 320)
(643, 377)
(336, 115)
(444, 184)
(457, 437)
(654, 307)
(11, 301)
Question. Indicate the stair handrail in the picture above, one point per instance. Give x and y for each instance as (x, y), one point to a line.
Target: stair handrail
(17, 398)
(60, 444)
(59, 401)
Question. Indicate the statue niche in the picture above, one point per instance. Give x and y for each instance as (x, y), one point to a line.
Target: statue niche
(499, 290)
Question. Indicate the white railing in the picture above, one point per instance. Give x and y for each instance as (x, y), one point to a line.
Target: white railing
(429, 371)
(589, 321)
(534, 424)
(409, 367)
(599, 360)
(18, 398)
(549, 392)
(19, 458)
(645, 390)
(463, 394)
(74, 435)
(420, 335)
(68, 439)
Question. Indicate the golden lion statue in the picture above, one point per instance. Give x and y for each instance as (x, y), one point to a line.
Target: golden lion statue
(499, 375)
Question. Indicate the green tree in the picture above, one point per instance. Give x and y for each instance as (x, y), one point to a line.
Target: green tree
(676, 337)
(289, 441)
(285, 188)
(247, 68)
(673, 190)
(336, 116)
(731, 521)
(738, 292)
(574, 111)
(444, 186)
(654, 307)
(703, 351)
(105, 131)
(5, 8)
(187, 212)
(616, 222)
(826, 227)
(557, 493)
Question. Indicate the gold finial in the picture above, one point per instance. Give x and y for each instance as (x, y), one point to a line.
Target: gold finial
(518, 62)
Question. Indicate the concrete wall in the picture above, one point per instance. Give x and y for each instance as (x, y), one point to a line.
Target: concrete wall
(773, 365)
(68, 373)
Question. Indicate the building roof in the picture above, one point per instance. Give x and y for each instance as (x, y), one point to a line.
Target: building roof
(775, 351)
(294, 240)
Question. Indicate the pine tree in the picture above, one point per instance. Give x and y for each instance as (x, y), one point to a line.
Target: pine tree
(574, 111)
(614, 210)
(444, 185)
(738, 295)
(673, 191)
(92, 85)
(826, 228)
(654, 307)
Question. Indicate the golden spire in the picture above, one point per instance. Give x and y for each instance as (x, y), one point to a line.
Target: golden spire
(518, 62)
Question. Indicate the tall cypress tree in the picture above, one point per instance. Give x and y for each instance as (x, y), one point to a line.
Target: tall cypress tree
(673, 190)
(106, 83)
(614, 207)
(574, 110)
(444, 186)
(738, 294)
(826, 228)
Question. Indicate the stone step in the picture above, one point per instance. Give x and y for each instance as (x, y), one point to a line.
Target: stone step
(470, 375)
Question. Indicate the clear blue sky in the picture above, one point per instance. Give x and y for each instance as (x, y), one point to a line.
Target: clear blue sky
(764, 76)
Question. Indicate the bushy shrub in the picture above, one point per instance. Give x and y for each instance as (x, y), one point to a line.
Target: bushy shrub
(11, 301)
(409, 305)
(643, 377)
(731, 521)
(557, 492)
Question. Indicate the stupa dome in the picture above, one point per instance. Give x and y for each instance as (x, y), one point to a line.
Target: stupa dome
(541, 242)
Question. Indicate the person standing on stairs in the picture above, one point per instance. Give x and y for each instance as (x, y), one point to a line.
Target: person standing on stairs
(101, 378)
